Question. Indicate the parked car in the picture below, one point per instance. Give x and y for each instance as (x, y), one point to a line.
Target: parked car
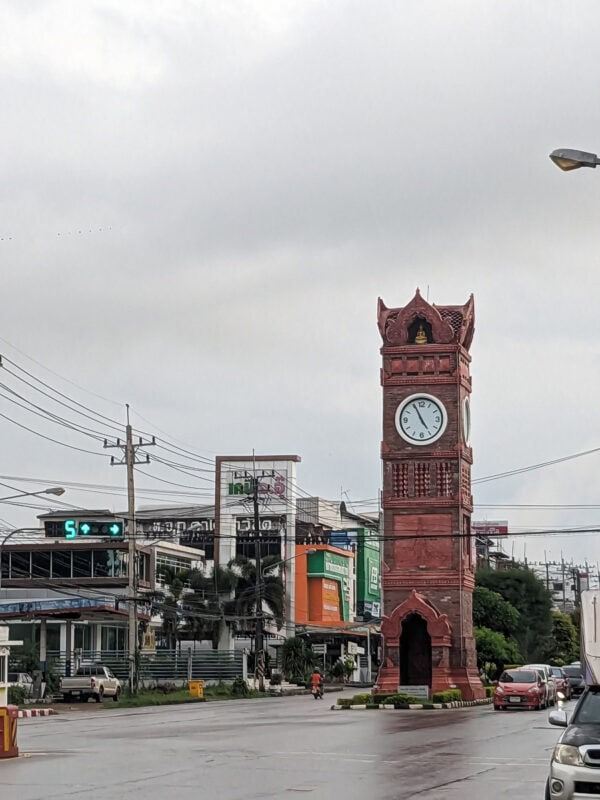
(562, 682)
(95, 681)
(548, 677)
(574, 769)
(520, 688)
(576, 682)
(23, 680)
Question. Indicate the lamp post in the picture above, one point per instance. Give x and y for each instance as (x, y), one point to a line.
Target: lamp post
(8, 536)
(57, 491)
(568, 160)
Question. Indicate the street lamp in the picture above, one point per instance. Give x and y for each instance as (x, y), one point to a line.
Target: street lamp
(8, 536)
(55, 490)
(573, 159)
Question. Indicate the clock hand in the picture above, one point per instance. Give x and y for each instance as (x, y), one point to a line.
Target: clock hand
(420, 417)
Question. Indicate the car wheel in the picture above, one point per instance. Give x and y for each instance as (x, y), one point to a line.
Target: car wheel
(117, 695)
(547, 792)
(67, 698)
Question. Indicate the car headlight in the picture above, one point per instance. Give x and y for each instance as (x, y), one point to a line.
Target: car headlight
(533, 690)
(567, 754)
(499, 690)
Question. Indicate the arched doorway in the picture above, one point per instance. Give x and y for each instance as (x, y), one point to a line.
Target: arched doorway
(415, 652)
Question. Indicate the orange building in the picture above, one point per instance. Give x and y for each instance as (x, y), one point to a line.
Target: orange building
(324, 585)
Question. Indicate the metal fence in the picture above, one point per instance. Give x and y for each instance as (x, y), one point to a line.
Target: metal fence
(164, 665)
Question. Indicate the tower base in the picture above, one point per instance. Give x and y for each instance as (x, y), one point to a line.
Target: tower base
(467, 680)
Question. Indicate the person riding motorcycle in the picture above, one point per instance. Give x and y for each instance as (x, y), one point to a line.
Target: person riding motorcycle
(317, 684)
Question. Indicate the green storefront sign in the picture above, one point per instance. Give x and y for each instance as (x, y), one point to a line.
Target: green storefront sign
(368, 574)
(334, 567)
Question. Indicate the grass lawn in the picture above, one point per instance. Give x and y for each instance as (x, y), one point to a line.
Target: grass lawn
(179, 697)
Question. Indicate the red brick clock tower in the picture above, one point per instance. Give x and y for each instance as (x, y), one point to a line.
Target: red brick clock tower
(428, 569)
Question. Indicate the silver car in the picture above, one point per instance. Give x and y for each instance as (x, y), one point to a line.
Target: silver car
(23, 680)
(548, 678)
(575, 765)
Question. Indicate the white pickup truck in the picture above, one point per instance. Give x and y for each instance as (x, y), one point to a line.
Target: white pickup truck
(94, 681)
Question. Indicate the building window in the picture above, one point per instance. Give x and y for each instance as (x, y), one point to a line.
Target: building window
(82, 564)
(40, 564)
(83, 637)
(108, 563)
(112, 639)
(61, 564)
(20, 564)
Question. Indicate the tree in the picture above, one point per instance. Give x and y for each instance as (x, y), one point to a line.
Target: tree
(491, 610)
(210, 606)
(296, 659)
(562, 644)
(175, 581)
(527, 593)
(271, 588)
(494, 648)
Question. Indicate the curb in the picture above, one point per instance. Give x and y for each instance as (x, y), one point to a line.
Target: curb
(35, 712)
(415, 706)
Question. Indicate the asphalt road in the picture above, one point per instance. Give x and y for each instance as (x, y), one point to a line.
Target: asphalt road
(277, 748)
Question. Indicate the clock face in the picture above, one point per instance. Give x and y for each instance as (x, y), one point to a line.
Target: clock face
(466, 409)
(421, 419)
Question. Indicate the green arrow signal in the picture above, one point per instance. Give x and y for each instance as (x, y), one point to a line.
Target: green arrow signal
(115, 529)
(85, 528)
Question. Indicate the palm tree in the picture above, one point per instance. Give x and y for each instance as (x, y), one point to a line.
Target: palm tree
(175, 581)
(209, 603)
(271, 588)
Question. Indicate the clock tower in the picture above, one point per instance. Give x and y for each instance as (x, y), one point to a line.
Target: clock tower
(428, 556)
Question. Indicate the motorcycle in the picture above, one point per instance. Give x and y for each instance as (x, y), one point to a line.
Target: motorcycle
(317, 692)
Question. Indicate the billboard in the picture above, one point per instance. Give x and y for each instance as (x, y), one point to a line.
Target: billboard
(491, 529)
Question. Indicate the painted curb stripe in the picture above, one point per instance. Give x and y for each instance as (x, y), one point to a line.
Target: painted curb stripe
(417, 706)
(35, 712)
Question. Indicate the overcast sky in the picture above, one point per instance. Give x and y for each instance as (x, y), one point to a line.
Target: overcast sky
(201, 202)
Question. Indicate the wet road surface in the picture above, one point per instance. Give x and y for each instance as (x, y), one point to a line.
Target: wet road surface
(278, 748)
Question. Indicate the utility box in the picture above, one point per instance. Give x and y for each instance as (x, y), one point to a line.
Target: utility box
(5, 646)
(196, 688)
(9, 716)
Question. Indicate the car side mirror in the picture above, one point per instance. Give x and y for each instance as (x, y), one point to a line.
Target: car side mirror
(558, 718)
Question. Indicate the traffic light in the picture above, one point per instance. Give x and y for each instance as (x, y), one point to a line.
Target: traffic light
(75, 528)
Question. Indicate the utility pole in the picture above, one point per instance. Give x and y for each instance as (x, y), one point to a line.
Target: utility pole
(129, 459)
(260, 654)
(254, 481)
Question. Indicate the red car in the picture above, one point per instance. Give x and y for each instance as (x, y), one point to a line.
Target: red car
(520, 688)
(561, 679)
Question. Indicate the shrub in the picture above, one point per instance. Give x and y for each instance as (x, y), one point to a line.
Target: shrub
(489, 691)
(361, 699)
(276, 679)
(338, 670)
(400, 698)
(345, 702)
(448, 696)
(16, 695)
(239, 688)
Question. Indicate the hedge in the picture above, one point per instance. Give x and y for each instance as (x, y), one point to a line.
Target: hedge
(448, 696)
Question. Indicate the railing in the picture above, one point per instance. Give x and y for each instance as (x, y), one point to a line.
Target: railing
(164, 665)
